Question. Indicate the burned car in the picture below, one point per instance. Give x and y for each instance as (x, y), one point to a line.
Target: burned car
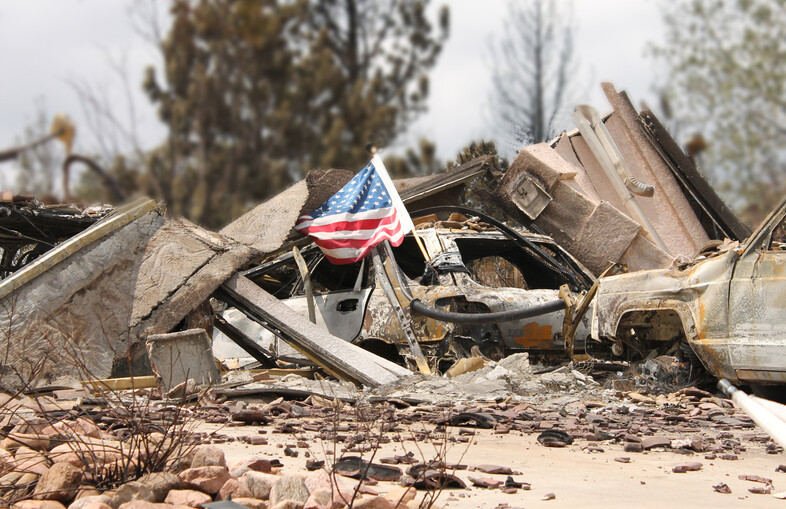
(478, 266)
(726, 308)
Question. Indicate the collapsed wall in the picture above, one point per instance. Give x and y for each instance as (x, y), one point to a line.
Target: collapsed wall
(564, 189)
(86, 306)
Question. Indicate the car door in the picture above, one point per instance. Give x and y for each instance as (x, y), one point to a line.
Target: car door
(757, 305)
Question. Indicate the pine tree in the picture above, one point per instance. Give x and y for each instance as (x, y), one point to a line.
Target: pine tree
(256, 92)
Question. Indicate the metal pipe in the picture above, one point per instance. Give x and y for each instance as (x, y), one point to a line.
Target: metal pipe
(775, 408)
(771, 424)
(416, 306)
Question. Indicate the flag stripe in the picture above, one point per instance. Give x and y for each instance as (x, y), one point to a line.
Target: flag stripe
(366, 211)
(357, 225)
(332, 242)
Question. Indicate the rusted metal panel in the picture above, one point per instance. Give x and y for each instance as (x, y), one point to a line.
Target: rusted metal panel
(730, 306)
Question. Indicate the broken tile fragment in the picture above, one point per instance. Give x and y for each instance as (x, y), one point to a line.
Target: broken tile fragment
(687, 467)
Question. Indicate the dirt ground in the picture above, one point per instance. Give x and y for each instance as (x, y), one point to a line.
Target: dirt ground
(576, 477)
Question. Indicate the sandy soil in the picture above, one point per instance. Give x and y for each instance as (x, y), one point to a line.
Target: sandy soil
(577, 478)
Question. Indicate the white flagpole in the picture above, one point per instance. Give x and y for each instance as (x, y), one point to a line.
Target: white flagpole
(401, 210)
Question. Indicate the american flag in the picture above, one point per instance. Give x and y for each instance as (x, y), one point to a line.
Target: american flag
(362, 214)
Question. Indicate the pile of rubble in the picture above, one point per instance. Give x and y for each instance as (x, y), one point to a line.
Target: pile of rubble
(319, 444)
(132, 339)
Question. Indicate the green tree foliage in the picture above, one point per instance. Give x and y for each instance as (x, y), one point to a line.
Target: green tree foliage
(255, 92)
(422, 161)
(726, 62)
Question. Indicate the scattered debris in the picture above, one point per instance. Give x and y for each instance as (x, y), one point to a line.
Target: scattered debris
(136, 343)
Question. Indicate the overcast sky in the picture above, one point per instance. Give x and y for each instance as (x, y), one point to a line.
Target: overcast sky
(49, 43)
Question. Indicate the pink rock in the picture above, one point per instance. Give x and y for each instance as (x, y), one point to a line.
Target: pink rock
(321, 499)
(96, 505)
(233, 488)
(290, 487)
(38, 504)
(59, 483)
(252, 503)
(288, 504)
(144, 504)
(190, 498)
(83, 502)
(401, 495)
(28, 460)
(257, 463)
(372, 503)
(6, 461)
(320, 480)
(258, 483)
(208, 479)
(208, 456)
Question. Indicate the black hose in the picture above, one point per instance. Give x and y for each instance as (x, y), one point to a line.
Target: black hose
(418, 307)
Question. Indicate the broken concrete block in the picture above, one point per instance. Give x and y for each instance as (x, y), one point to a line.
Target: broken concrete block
(565, 216)
(544, 163)
(179, 356)
(605, 237)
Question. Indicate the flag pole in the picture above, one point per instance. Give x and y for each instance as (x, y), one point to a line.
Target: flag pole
(383, 174)
(420, 245)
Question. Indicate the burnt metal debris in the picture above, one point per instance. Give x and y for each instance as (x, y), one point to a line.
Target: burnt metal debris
(579, 302)
(535, 269)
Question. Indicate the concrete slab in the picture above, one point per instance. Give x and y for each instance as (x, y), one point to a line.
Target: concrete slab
(179, 356)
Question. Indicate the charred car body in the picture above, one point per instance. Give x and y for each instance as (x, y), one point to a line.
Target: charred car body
(476, 268)
(728, 306)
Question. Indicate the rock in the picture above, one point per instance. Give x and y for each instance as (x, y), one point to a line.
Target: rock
(252, 503)
(320, 480)
(402, 495)
(28, 479)
(259, 484)
(633, 447)
(372, 503)
(59, 483)
(191, 498)
(722, 488)
(233, 489)
(86, 491)
(80, 503)
(656, 441)
(28, 460)
(160, 483)
(209, 479)
(38, 504)
(755, 478)
(320, 499)
(289, 504)
(687, 467)
(257, 464)
(97, 505)
(518, 364)
(495, 469)
(207, 456)
(81, 426)
(486, 482)
(6, 461)
(34, 441)
(291, 487)
(144, 504)
(10, 478)
(131, 491)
